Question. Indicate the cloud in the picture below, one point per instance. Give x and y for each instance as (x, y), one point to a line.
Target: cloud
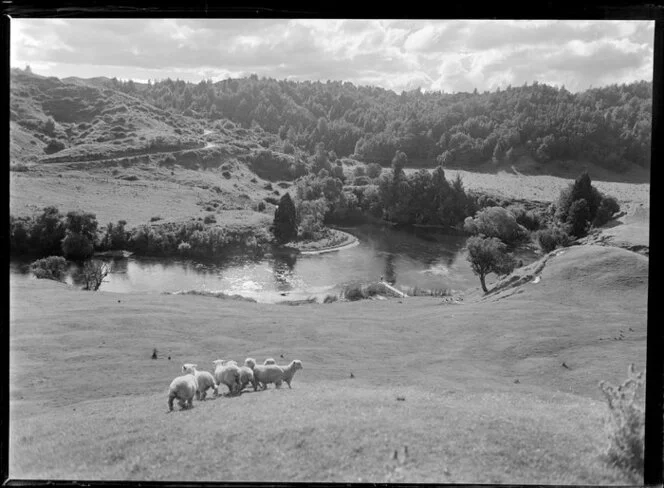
(448, 55)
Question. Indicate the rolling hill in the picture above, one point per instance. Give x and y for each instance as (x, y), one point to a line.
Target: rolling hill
(474, 391)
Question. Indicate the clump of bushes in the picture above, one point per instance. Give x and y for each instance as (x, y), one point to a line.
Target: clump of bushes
(54, 146)
(625, 424)
(50, 268)
(496, 222)
(552, 238)
(581, 206)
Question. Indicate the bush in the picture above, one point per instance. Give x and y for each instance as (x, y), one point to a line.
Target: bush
(184, 248)
(18, 167)
(527, 218)
(210, 219)
(374, 170)
(625, 425)
(552, 238)
(50, 268)
(76, 246)
(261, 206)
(54, 146)
(608, 207)
(157, 217)
(496, 222)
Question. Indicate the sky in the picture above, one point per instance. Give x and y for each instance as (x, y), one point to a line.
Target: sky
(438, 55)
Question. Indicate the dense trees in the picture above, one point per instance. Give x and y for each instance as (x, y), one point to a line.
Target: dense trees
(609, 126)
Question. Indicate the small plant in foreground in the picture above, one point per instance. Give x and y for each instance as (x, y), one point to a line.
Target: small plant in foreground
(50, 268)
(625, 424)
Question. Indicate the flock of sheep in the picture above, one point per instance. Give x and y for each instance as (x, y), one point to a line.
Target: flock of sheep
(196, 383)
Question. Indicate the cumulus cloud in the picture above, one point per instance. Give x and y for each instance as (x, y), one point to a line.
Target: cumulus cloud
(449, 55)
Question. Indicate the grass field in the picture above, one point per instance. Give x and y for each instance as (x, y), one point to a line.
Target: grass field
(475, 392)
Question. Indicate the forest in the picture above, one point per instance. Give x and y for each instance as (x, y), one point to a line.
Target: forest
(609, 126)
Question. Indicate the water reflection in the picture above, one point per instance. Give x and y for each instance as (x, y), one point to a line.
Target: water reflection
(400, 256)
(282, 270)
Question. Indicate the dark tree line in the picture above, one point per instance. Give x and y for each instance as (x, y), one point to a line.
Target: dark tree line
(609, 126)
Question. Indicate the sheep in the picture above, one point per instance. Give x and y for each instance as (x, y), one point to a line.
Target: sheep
(227, 373)
(246, 376)
(289, 371)
(183, 388)
(269, 361)
(267, 373)
(204, 379)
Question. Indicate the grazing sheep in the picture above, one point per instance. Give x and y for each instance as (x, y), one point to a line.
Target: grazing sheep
(183, 388)
(267, 373)
(289, 371)
(270, 361)
(227, 373)
(246, 376)
(204, 379)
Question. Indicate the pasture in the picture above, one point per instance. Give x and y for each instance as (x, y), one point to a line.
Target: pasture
(442, 392)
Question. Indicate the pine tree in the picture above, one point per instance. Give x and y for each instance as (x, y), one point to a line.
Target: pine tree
(285, 220)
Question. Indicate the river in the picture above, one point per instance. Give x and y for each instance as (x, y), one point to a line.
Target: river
(408, 258)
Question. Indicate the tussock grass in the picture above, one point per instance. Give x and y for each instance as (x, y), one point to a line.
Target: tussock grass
(625, 424)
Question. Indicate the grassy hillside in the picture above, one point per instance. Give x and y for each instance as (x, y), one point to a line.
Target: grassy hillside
(475, 391)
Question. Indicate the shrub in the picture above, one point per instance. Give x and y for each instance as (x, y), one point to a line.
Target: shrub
(50, 268)
(330, 299)
(54, 146)
(527, 218)
(625, 424)
(496, 222)
(76, 246)
(374, 170)
(608, 207)
(184, 248)
(359, 171)
(488, 255)
(155, 218)
(261, 206)
(210, 219)
(552, 238)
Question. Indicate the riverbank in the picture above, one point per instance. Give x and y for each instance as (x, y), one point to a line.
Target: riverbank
(492, 370)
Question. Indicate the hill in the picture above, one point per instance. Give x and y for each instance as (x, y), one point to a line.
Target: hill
(475, 391)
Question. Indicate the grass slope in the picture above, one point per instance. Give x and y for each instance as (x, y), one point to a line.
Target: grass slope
(87, 402)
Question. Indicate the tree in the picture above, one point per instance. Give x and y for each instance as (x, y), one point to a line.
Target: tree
(92, 274)
(578, 218)
(285, 220)
(488, 255)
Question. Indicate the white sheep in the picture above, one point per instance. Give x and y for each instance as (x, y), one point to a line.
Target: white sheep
(227, 373)
(250, 363)
(267, 373)
(183, 388)
(289, 371)
(269, 361)
(204, 379)
(246, 376)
